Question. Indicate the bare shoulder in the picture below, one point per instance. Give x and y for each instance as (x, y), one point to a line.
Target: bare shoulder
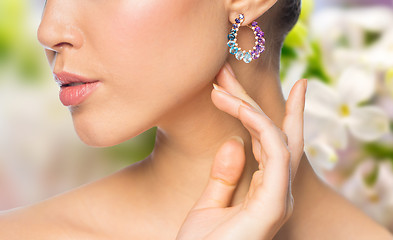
(320, 212)
(34, 222)
(75, 214)
(347, 220)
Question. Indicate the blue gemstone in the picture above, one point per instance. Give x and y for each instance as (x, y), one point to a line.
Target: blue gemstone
(233, 31)
(257, 29)
(239, 55)
(231, 43)
(233, 50)
(231, 36)
(247, 57)
(254, 23)
(241, 16)
(237, 20)
(234, 25)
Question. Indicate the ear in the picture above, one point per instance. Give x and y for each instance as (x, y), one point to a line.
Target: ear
(252, 9)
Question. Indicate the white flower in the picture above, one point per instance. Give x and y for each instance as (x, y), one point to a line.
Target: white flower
(342, 32)
(340, 105)
(375, 200)
(322, 157)
(389, 81)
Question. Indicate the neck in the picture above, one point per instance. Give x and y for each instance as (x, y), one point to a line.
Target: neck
(188, 140)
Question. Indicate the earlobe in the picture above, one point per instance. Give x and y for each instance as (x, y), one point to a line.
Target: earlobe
(252, 9)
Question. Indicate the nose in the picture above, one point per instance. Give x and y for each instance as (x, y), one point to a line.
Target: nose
(58, 29)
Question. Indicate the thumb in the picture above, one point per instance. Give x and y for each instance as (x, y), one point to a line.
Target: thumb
(227, 168)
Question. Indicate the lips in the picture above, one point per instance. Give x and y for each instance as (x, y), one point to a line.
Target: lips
(74, 89)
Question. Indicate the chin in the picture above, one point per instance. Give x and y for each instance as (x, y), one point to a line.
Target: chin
(106, 132)
(96, 138)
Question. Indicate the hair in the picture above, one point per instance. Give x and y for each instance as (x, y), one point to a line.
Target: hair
(277, 22)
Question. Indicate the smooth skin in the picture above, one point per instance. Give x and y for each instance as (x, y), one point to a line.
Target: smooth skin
(157, 60)
(269, 201)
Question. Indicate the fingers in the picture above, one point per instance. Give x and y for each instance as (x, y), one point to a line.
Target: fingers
(275, 179)
(258, 123)
(274, 182)
(234, 87)
(276, 176)
(225, 173)
(294, 121)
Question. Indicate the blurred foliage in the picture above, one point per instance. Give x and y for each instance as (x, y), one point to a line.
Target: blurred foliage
(19, 48)
(136, 149)
(379, 151)
(297, 37)
(12, 18)
(315, 67)
(371, 37)
(307, 10)
(299, 47)
(372, 177)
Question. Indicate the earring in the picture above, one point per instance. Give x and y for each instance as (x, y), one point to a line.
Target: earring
(246, 56)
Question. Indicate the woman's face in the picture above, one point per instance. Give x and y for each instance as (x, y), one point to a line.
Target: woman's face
(149, 56)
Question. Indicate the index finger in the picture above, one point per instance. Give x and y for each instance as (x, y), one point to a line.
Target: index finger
(293, 123)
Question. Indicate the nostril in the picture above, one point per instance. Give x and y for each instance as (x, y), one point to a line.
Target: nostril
(62, 45)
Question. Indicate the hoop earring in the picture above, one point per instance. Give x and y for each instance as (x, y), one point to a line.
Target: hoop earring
(246, 56)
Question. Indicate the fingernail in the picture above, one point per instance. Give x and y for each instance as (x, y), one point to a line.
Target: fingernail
(237, 138)
(228, 66)
(218, 88)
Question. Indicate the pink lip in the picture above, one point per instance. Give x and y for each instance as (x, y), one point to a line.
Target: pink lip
(74, 95)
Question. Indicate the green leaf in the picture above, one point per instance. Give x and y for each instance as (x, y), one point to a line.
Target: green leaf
(315, 67)
(297, 37)
(379, 151)
(307, 10)
(371, 178)
(12, 18)
(370, 37)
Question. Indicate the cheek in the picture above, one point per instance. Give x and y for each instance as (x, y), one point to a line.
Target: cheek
(162, 38)
(161, 41)
(151, 53)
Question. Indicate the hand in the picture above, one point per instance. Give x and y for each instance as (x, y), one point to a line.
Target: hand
(269, 202)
